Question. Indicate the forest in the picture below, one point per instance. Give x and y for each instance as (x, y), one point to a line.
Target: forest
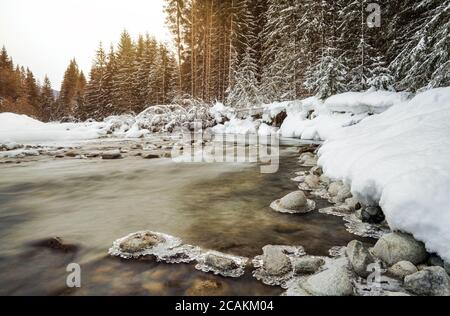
(245, 53)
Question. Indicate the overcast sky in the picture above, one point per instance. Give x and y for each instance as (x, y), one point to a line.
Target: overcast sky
(45, 34)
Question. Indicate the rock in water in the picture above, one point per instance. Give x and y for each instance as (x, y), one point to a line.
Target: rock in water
(275, 261)
(402, 269)
(139, 242)
(372, 215)
(295, 202)
(431, 281)
(359, 258)
(396, 247)
(332, 282)
(205, 288)
(220, 262)
(312, 181)
(113, 154)
(308, 265)
(334, 188)
(150, 156)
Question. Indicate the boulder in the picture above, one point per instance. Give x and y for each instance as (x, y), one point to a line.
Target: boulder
(220, 262)
(150, 156)
(113, 154)
(334, 188)
(359, 258)
(205, 288)
(275, 261)
(372, 215)
(312, 181)
(317, 171)
(308, 265)
(295, 202)
(332, 282)
(396, 247)
(139, 242)
(402, 269)
(432, 281)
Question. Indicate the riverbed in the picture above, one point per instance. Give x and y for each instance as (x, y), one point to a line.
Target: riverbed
(89, 203)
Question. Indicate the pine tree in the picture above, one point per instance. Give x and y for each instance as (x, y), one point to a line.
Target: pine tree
(123, 76)
(328, 77)
(245, 92)
(46, 101)
(68, 93)
(424, 60)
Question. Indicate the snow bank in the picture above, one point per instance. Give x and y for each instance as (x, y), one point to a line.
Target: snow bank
(371, 101)
(310, 119)
(401, 160)
(164, 118)
(23, 129)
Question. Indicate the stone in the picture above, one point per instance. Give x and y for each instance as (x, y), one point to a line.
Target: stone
(402, 269)
(72, 154)
(113, 154)
(275, 261)
(137, 146)
(150, 156)
(220, 262)
(294, 201)
(317, 171)
(372, 215)
(93, 154)
(396, 247)
(359, 258)
(56, 243)
(353, 203)
(205, 288)
(312, 181)
(325, 180)
(308, 265)
(447, 267)
(139, 242)
(432, 281)
(332, 282)
(334, 188)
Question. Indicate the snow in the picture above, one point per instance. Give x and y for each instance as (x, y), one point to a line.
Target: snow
(221, 112)
(237, 126)
(23, 129)
(371, 101)
(400, 160)
(311, 119)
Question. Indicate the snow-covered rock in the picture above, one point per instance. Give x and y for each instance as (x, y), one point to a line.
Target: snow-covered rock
(400, 160)
(371, 101)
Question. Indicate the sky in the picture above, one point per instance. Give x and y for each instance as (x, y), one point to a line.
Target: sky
(45, 35)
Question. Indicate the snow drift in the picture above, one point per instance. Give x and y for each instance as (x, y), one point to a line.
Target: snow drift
(400, 160)
(312, 119)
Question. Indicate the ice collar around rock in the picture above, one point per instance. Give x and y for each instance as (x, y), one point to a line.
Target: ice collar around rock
(171, 250)
(294, 203)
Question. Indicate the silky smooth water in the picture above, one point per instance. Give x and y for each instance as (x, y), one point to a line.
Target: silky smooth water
(91, 203)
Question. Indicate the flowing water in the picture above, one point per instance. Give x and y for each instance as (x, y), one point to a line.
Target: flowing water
(90, 203)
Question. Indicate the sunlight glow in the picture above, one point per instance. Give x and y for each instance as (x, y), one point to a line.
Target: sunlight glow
(45, 34)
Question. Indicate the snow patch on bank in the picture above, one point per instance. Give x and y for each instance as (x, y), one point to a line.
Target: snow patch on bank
(400, 160)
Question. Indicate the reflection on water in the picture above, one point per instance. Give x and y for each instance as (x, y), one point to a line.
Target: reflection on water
(90, 203)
